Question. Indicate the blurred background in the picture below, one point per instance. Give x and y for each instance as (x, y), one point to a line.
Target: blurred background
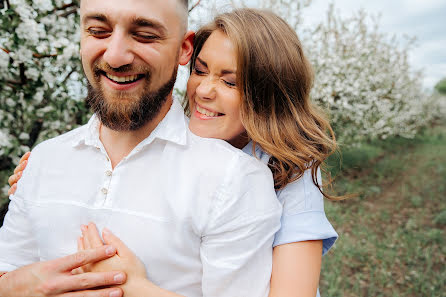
(380, 69)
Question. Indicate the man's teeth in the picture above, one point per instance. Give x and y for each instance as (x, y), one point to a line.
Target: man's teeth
(122, 79)
(206, 112)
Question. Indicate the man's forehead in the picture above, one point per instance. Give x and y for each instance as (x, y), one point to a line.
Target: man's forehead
(163, 11)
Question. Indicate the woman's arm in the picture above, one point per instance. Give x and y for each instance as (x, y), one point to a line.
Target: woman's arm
(296, 269)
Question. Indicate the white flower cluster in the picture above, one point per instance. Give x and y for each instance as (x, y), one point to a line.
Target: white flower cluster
(39, 69)
(362, 77)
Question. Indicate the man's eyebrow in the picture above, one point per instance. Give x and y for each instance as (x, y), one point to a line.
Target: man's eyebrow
(96, 17)
(141, 22)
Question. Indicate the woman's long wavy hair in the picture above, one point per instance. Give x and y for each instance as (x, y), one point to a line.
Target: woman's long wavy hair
(275, 79)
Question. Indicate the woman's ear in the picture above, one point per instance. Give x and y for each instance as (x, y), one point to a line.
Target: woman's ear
(187, 48)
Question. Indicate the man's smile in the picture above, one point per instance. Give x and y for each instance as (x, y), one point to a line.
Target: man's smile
(123, 79)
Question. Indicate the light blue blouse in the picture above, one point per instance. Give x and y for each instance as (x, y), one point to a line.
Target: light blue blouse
(303, 216)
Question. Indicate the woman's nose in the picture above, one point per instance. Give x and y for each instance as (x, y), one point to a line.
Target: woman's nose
(206, 88)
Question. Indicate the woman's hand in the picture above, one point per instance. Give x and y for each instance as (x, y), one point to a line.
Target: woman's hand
(18, 171)
(125, 260)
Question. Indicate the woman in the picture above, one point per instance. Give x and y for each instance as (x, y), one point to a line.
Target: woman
(249, 85)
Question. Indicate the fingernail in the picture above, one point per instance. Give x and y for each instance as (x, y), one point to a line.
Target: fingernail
(119, 278)
(115, 293)
(106, 231)
(110, 250)
(84, 228)
(19, 174)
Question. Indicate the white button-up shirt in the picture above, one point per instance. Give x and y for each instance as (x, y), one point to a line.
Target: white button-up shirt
(200, 214)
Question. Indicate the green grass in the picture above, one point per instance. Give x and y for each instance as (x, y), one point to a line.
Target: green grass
(392, 235)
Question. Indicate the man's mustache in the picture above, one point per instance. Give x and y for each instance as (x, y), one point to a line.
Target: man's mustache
(101, 67)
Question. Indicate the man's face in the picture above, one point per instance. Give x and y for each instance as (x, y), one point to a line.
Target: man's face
(130, 53)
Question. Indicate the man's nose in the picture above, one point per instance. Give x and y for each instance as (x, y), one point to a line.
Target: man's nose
(118, 52)
(207, 88)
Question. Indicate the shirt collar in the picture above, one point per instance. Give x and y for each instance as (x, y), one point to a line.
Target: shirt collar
(173, 128)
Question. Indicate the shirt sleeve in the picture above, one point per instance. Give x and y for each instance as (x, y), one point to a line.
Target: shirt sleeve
(303, 214)
(17, 243)
(236, 249)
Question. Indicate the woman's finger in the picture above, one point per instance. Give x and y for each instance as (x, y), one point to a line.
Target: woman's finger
(20, 167)
(14, 178)
(80, 244)
(84, 230)
(25, 157)
(93, 236)
(111, 239)
(12, 189)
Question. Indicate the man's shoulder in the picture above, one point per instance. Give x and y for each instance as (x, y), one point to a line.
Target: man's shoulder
(62, 141)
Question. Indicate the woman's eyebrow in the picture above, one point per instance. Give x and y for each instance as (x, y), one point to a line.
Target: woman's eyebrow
(202, 62)
(223, 72)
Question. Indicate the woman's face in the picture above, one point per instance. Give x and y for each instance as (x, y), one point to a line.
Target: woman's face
(214, 98)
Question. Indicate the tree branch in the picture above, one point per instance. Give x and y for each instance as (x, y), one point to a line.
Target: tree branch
(22, 74)
(67, 77)
(67, 13)
(5, 50)
(65, 6)
(39, 56)
(194, 6)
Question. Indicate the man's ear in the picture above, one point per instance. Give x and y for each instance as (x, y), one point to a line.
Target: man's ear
(187, 48)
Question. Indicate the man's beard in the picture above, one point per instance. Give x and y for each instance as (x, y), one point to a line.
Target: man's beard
(127, 114)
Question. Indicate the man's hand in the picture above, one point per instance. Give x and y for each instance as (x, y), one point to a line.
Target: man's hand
(55, 278)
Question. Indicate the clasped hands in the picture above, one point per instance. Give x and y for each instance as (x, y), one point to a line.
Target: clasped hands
(98, 269)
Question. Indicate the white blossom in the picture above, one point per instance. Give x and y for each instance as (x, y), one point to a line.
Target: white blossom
(24, 136)
(4, 138)
(43, 5)
(4, 60)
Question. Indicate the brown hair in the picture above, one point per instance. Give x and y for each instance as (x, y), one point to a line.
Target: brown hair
(275, 79)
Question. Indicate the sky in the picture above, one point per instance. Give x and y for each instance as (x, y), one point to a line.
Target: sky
(423, 19)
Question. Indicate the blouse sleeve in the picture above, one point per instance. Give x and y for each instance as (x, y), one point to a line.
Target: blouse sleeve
(303, 215)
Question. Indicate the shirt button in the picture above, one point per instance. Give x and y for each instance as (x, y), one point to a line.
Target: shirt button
(108, 173)
(104, 191)
(108, 159)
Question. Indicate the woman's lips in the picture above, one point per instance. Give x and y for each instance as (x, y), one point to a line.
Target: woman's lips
(204, 113)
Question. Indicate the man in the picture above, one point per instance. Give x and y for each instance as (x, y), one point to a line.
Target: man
(199, 214)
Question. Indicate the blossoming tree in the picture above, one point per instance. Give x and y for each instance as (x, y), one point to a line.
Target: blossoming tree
(363, 78)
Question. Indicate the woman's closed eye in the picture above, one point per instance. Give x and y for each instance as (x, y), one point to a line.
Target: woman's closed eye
(199, 71)
(229, 83)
